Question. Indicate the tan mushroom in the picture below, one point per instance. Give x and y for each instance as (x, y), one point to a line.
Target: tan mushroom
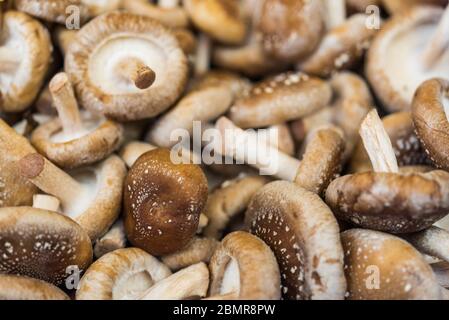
(91, 196)
(41, 244)
(52, 10)
(398, 6)
(63, 38)
(433, 242)
(23, 288)
(123, 274)
(25, 56)
(380, 266)
(97, 7)
(129, 84)
(112, 240)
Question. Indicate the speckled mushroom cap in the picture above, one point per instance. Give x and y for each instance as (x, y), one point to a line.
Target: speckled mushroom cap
(304, 236)
(291, 29)
(341, 48)
(406, 145)
(98, 51)
(220, 19)
(123, 274)
(281, 98)
(14, 287)
(430, 116)
(395, 76)
(397, 203)
(244, 265)
(383, 267)
(25, 57)
(41, 244)
(163, 202)
(51, 10)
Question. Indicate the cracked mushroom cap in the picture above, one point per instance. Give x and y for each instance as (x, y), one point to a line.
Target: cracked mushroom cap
(123, 274)
(25, 55)
(163, 202)
(304, 236)
(41, 244)
(14, 287)
(243, 265)
(430, 113)
(380, 266)
(51, 10)
(395, 76)
(281, 98)
(117, 54)
(391, 202)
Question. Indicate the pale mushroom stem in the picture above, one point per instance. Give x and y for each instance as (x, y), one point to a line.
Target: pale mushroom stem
(8, 60)
(46, 202)
(241, 146)
(378, 144)
(65, 103)
(438, 43)
(202, 60)
(137, 72)
(114, 239)
(50, 179)
(204, 220)
(335, 13)
(168, 3)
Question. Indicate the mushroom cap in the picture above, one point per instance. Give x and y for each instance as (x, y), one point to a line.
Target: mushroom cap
(402, 271)
(97, 7)
(341, 47)
(396, 203)
(14, 287)
(430, 120)
(41, 244)
(14, 189)
(291, 29)
(220, 19)
(51, 10)
(102, 138)
(393, 75)
(281, 98)
(21, 87)
(163, 202)
(304, 236)
(121, 274)
(245, 264)
(105, 40)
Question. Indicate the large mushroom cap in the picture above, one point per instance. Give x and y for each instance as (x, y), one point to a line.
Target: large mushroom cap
(118, 42)
(25, 53)
(23, 288)
(51, 10)
(41, 244)
(304, 236)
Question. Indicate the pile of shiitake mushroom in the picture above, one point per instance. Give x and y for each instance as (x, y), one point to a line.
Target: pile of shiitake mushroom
(93, 205)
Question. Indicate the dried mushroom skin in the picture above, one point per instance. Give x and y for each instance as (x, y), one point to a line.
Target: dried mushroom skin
(14, 287)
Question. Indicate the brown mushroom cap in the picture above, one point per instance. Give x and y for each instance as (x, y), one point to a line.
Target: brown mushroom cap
(291, 29)
(244, 265)
(281, 98)
(51, 10)
(97, 55)
(41, 244)
(121, 274)
(23, 70)
(23, 288)
(397, 203)
(402, 271)
(431, 121)
(304, 236)
(163, 202)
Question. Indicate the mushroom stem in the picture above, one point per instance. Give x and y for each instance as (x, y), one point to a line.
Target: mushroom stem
(378, 144)
(137, 72)
(65, 103)
(204, 220)
(114, 239)
(8, 60)
(50, 179)
(202, 60)
(46, 202)
(438, 43)
(168, 3)
(335, 12)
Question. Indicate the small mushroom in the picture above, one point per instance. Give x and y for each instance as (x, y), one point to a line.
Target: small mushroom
(430, 113)
(52, 10)
(304, 236)
(41, 244)
(114, 239)
(244, 267)
(380, 266)
(70, 142)
(123, 274)
(163, 202)
(25, 56)
(92, 197)
(281, 98)
(395, 76)
(130, 84)
(14, 287)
